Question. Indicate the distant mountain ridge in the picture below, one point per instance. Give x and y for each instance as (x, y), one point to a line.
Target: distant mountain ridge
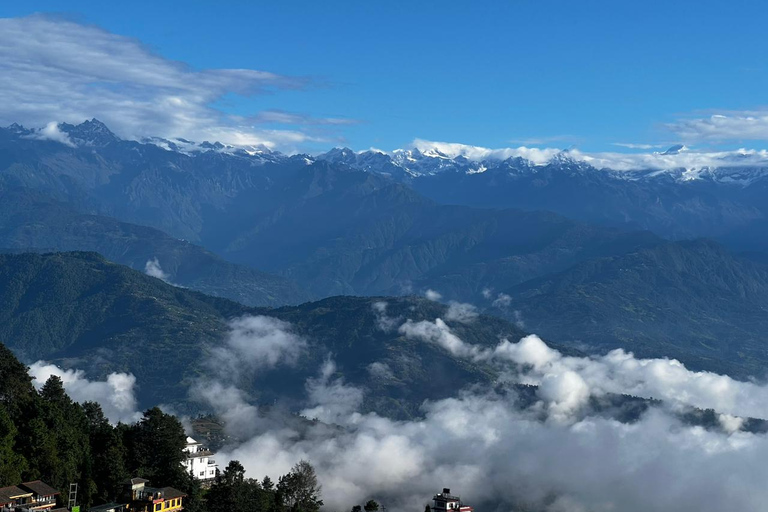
(690, 300)
(30, 221)
(347, 223)
(676, 193)
(331, 228)
(707, 196)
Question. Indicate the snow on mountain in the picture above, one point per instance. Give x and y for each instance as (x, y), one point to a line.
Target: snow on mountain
(426, 158)
(89, 133)
(423, 158)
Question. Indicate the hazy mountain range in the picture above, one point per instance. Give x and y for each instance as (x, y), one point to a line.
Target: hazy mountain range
(584, 255)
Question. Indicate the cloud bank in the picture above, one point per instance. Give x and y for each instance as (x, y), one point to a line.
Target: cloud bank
(500, 452)
(55, 70)
(115, 395)
(748, 125)
(254, 343)
(631, 161)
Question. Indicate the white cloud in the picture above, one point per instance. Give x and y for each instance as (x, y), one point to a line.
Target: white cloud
(153, 269)
(499, 456)
(519, 322)
(240, 417)
(379, 370)
(115, 395)
(277, 116)
(253, 343)
(724, 127)
(53, 69)
(330, 399)
(452, 150)
(51, 132)
(556, 455)
(461, 312)
(439, 333)
(617, 372)
(684, 160)
(433, 295)
(383, 321)
(502, 301)
(632, 145)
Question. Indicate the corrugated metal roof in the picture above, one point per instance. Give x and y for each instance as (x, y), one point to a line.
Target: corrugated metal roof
(40, 488)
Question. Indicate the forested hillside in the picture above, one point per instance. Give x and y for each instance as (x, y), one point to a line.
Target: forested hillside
(46, 436)
(79, 309)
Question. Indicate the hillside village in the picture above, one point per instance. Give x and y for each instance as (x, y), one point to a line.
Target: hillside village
(57, 455)
(138, 496)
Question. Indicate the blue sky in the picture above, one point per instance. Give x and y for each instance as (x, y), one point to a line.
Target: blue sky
(545, 73)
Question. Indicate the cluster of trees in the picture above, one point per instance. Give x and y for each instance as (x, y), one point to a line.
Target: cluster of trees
(298, 491)
(46, 435)
(370, 506)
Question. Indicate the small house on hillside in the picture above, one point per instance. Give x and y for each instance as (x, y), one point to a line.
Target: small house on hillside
(13, 496)
(142, 498)
(199, 461)
(35, 496)
(43, 495)
(446, 502)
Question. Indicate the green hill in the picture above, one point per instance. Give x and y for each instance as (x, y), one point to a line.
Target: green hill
(80, 310)
(30, 221)
(689, 300)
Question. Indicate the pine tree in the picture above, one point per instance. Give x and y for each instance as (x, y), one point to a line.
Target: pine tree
(12, 464)
(299, 491)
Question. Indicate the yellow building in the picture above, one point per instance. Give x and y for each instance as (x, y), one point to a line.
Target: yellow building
(143, 498)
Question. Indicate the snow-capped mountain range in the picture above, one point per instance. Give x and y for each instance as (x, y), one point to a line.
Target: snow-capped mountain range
(427, 158)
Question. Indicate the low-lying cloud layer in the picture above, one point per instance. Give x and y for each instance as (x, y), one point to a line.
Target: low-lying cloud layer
(618, 372)
(254, 344)
(500, 452)
(115, 395)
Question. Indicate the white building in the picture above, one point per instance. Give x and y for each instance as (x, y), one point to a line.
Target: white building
(199, 461)
(446, 502)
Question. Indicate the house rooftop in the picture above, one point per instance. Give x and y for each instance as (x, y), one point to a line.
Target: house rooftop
(12, 492)
(40, 488)
(170, 493)
(166, 493)
(134, 481)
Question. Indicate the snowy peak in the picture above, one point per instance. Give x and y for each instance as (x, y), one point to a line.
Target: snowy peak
(339, 155)
(424, 158)
(18, 129)
(89, 133)
(675, 150)
(191, 148)
(370, 161)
